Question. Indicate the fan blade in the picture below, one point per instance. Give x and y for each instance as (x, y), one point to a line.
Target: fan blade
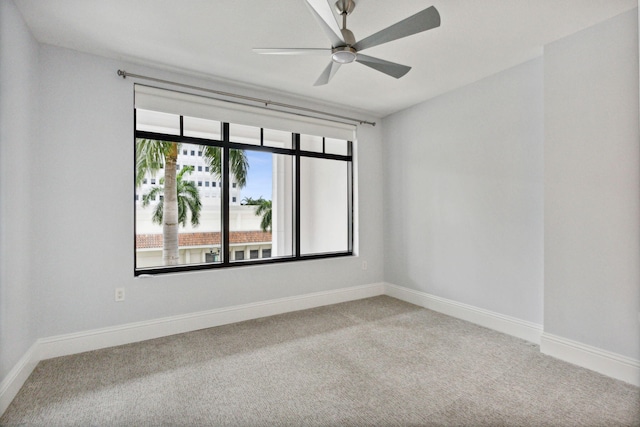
(390, 68)
(421, 21)
(292, 51)
(327, 74)
(322, 12)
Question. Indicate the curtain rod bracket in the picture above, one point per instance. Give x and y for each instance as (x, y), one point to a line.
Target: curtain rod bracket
(266, 102)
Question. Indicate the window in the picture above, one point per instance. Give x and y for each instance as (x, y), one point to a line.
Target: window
(279, 199)
(153, 181)
(323, 184)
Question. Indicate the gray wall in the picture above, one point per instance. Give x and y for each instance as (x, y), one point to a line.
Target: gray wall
(463, 207)
(592, 187)
(18, 113)
(463, 193)
(468, 217)
(85, 157)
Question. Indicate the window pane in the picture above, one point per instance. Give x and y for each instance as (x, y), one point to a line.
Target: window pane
(263, 213)
(190, 242)
(152, 121)
(244, 134)
(202, 128)
(336, 146)
(324, 206)
(277, 138)
(311, 143)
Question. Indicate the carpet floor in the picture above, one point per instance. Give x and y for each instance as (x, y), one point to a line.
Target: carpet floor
(372, 362)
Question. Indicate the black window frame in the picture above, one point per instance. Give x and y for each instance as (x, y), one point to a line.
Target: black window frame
(226, 250)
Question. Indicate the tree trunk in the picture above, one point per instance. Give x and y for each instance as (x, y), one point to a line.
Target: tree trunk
(170, 254)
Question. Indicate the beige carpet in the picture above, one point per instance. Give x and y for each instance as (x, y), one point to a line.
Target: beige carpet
(377, 361)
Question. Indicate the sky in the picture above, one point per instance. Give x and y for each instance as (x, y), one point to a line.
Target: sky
(259, 177)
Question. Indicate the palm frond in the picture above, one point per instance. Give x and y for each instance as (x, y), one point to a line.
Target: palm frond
(185, 169)
(263, 208)
(188, 200)
(195, 206)
(151, 195)
(213, 157)
(150, 157)
(238, 163)
(265, 224)
(189, 193)
(182, 212)
(157, 213)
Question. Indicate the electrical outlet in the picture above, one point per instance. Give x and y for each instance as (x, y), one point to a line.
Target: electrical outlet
(119, 294)
(364, 265)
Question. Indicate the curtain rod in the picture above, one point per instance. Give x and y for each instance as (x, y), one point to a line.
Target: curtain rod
(266, 102)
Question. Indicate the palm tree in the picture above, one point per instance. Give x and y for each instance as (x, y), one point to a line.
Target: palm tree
(151, 156)
(188, 199)
(238, 163)
(263, 208)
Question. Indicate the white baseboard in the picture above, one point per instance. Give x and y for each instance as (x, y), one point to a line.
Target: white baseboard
(499, 322)
(605, 362)
(14, 380)
(611, 364)
(62, 345)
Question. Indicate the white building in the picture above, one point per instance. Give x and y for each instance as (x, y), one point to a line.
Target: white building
(202, 243)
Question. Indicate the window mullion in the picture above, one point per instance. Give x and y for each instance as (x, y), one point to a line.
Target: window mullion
(350, 205)
(296, 217)
(226, 259)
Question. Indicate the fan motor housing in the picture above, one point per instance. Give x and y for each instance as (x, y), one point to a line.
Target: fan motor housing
(343, 55)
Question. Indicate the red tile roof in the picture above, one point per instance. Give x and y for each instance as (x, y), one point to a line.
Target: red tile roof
(149, 241)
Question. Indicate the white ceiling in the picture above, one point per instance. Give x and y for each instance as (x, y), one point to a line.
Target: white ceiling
(214, 37)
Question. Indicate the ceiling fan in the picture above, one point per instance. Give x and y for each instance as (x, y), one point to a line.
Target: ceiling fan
(344, 47)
